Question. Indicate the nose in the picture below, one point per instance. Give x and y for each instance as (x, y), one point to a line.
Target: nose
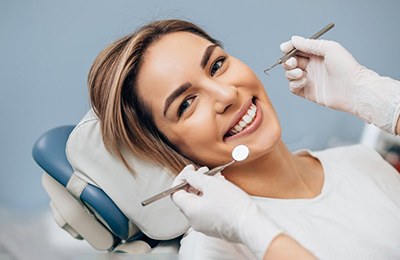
(224, 96)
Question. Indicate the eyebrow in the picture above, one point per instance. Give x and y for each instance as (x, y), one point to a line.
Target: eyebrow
(176, 93)
(207, 55)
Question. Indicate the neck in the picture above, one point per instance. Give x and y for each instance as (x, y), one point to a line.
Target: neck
(278, 174)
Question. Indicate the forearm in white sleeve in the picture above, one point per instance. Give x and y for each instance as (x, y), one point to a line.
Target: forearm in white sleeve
(379, 99)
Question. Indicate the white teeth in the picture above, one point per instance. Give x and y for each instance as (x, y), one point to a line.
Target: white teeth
(252, 113)
(246, 119)
(238, 127)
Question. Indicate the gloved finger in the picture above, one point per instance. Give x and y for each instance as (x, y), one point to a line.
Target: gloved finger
(202, 170)
(315, 47)
(197, 181)
(302, 62)
(294, 74)
(290, 64)
(296, 62)
(286, 46)
(188, 169)
(297, 91)
(297, 86)
(185, 201)
(181, 176)
(191, 189)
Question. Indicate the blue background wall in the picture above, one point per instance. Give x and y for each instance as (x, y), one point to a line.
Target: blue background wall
(47, 47)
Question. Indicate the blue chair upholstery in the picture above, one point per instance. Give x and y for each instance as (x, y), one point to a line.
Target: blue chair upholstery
(49, 154)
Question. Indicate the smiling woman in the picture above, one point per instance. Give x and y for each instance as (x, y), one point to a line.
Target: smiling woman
(170, 94)
(197, 90)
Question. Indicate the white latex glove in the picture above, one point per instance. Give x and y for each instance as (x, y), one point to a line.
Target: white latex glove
(220, 209)
(329, 75)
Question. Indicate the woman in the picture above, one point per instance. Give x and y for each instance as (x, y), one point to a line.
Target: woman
(169, 93)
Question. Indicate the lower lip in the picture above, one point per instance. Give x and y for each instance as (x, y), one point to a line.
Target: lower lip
(249, 128)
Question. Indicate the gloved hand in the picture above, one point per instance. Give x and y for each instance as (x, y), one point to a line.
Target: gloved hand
(326, 73)
(220, 209)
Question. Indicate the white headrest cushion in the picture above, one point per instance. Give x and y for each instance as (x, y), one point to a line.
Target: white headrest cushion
(91, 161)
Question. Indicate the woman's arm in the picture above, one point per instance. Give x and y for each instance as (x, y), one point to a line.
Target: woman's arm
(225, 211)
(285, 247)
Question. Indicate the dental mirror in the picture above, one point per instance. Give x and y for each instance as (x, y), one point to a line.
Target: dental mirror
(239, 153)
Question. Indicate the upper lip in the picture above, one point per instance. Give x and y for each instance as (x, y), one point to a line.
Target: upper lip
(238, 116)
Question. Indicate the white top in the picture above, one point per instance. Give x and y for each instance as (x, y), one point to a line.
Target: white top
(356, 216)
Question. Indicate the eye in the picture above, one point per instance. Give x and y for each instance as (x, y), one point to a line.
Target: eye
(217, 65)
(185, 105)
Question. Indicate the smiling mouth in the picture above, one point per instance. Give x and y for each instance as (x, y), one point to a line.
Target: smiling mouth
(246, 120)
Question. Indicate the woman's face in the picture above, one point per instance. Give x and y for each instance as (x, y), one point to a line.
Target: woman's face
(205, 101)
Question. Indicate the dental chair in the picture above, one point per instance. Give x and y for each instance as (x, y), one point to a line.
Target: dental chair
(94, 197)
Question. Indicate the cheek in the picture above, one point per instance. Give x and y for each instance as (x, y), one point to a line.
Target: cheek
(248, 82)
(195, 133)
(195, 137)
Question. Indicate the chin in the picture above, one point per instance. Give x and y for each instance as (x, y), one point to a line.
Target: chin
(269, 141)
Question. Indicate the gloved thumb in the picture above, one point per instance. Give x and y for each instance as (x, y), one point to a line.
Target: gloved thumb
(310, 46)
(185, 201)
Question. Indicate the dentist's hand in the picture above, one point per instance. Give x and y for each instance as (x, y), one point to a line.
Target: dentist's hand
(326, 73)
(220, 209)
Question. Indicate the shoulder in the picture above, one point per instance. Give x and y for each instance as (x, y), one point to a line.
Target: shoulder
(359, 158)
(195, 245)
(349, 152)
(354, 156)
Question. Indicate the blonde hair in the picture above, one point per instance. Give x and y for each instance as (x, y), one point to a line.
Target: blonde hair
(126, 122)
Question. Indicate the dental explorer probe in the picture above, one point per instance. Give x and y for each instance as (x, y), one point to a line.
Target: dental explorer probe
(295, 51)
(239, 153)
